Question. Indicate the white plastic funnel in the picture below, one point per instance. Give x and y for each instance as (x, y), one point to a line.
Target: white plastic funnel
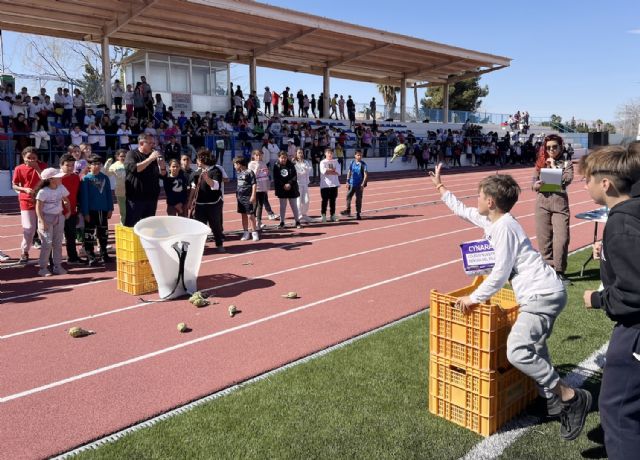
(160, 237)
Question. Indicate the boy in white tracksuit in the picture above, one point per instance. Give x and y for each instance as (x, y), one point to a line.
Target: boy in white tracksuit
(538, 289)
(303, 169)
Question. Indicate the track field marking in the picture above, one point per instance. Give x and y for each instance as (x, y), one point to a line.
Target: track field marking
(235, 283)
(494, 446)
(233, 256)
(179, 346)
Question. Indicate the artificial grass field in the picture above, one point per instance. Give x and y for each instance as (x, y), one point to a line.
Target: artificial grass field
(366, 400)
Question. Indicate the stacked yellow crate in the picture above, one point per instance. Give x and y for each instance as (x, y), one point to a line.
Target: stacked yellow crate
(133, 270)
(471, 383)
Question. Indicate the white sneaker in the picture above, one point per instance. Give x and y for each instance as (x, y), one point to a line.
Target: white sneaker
(261, 226)
(255, 236)
(59, 271)
(272, 217)
(4, 257)
(44, 272)
(245, 236)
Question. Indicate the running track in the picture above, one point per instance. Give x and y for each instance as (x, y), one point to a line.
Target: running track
(57, 393)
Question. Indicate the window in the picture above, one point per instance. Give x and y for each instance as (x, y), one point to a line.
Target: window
(179, 77)
(139, 70)
(158, 76)
(200, 79)
(220, 81)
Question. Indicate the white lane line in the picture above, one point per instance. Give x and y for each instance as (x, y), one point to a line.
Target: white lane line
(205, 338)
(230, 257)
(246, 280)
(255, 251)
(494, 445)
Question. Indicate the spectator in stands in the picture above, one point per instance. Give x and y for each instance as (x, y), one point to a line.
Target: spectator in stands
(321, 105)
(341, 107)
(275, 101)
(147, 94)
(333, 105)
(21, 130)
(372, 108)
(300, 98)
(351, 110)
(6, 113)
(117, 92)
(313, 103)
(266, 98)
(552, 207)
(144, 167)
(139, 105)
(128, 101)
(285, 102)
(79, 107)
(305, 106)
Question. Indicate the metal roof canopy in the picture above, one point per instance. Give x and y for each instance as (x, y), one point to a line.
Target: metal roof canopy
(243, 30)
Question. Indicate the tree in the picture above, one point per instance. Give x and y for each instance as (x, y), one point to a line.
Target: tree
(74, 63)
(629, 118)
(389, 97)
(463, 95)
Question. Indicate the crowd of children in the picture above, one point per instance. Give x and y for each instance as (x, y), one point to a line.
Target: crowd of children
(84, 185)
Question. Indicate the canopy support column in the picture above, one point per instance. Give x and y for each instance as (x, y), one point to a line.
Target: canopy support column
(106, 72)
(445, 103)
(252, 75)
(326, 92)
(403, 99)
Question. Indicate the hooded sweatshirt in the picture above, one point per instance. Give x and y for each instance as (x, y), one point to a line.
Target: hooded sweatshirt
(619, 263)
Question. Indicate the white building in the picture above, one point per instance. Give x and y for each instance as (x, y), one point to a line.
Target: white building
(184, 83)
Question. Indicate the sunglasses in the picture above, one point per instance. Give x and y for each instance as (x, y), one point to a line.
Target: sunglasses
(552, 147)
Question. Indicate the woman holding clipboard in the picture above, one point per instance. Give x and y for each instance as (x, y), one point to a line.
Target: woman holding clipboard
(553, 174)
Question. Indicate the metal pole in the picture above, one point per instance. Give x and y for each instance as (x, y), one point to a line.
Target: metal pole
(415, 100)
(403, 98)
(326, 91)
(445, 103)
(106, 72)
(252, 75)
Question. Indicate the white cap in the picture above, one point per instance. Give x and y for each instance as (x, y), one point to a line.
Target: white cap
(50, 173)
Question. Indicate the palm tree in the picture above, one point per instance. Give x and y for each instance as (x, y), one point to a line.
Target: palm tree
(389, 96)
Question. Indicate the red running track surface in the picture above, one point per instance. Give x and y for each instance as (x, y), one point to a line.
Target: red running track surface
(57, 392)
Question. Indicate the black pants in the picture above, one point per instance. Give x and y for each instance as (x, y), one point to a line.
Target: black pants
(96, 229)
(620, 394)
(70, 236)
(138, 210)
(117, 101)
(329, 195)
(357, 191)
(211, 214)
(262, 201)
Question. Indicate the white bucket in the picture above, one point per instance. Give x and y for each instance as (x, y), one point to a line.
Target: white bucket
(160, 236)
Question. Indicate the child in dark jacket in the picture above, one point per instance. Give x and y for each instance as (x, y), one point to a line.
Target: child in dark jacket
(96, 205)
(613, 180)
(176, 190)
(285, 181)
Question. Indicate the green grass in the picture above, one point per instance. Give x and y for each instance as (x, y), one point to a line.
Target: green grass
(366, 400)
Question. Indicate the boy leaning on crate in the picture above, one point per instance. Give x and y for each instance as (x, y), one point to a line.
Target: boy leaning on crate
(539, 292)
(612, 176)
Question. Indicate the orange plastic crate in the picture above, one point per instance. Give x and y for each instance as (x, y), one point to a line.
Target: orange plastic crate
(478, 400)
(136, 277)
(478, 339)
(128, 245)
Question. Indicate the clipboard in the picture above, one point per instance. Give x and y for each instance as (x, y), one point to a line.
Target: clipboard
(552, 180)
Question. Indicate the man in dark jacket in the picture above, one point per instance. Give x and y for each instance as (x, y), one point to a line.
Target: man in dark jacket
(285, 182)
(143, 167)
(172, 150)
(613, 179)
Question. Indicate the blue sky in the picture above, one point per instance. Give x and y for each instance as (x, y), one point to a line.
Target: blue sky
(569, 58)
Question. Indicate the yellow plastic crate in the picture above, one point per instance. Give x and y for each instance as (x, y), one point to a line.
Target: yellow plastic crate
(136, 277)
(478, 400)
(128, 245)
(477, 339)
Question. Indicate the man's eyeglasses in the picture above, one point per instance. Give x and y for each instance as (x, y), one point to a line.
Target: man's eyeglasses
(552, 147)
